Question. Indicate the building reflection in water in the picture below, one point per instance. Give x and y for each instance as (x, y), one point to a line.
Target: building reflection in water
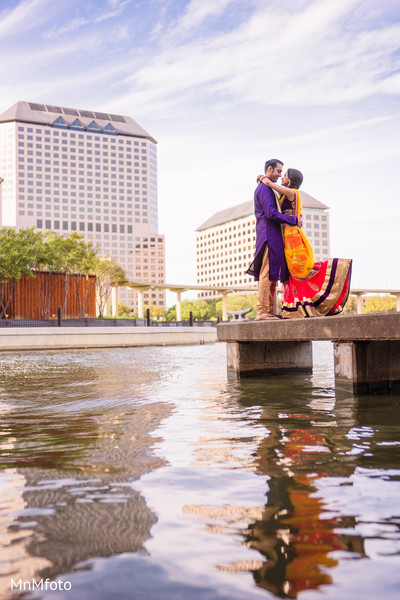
(76, 434)
(67, 456)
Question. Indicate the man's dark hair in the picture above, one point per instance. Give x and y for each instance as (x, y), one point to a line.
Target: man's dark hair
(296, 178)
(273, 162)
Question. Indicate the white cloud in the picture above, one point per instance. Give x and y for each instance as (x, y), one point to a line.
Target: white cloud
(197, 11)
(26, 15)
(117, 8)
(224, 85)
(274, 58)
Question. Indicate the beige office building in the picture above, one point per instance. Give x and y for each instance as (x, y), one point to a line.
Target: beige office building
(95, 173)
(225, 243)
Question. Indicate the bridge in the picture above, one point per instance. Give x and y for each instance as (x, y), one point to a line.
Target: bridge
(141, 286)
(366, 348)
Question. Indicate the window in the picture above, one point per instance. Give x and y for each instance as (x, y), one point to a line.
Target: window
(93, 127)
(77, 125)
(109, 129)
(60, 123)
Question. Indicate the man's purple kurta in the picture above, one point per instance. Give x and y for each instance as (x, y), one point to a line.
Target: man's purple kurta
(268, 231)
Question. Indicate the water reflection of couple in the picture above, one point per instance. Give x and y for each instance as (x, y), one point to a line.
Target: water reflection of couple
(283, 253)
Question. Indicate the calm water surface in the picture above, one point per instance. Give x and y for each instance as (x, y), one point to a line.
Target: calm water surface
(145, 473)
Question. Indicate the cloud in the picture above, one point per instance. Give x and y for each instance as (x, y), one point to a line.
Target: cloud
(198, 11)
(28, 14)
(275, 57)
(117, 8)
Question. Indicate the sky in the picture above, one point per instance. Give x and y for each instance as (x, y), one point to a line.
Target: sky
(224, 85)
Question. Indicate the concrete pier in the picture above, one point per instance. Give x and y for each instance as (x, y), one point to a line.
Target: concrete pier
(366, 348)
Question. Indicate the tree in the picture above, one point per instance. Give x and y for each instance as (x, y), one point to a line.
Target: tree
(197, 307)
(19, 251)
(239, 302)
(351, 306)
(48, 261)
(124, 310)
(371, 304)
(108, 274)
(379, 304)
(155, 311)
(80, 259)
(66, 256)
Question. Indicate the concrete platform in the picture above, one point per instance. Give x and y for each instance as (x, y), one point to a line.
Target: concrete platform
(44, 338)
(366, 348)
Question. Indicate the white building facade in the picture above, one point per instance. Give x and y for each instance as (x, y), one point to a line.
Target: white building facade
(225, 243)
(95, 173)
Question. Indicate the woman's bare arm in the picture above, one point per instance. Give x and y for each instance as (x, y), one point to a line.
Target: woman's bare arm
(288, 192)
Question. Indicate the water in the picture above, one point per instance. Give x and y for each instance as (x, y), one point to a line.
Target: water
(145, 474)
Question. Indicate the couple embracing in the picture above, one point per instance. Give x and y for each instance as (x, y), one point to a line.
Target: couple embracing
(283, 253)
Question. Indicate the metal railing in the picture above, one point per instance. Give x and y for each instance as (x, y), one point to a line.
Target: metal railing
(107, 322)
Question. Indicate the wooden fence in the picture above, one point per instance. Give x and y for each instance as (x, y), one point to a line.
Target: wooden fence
(38, 297)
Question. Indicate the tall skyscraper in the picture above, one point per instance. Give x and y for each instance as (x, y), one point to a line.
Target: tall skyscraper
(67, 169)
(225, 243)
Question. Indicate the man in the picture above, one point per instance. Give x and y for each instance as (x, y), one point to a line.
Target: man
(269, 264)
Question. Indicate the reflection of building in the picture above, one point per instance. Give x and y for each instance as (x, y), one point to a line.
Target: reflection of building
(94, 173)
(225, 242)
(67, 468)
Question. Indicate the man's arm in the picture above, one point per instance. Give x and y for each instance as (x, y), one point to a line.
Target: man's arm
(271, 212)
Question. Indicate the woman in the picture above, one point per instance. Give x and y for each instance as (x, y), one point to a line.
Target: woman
(316, 289)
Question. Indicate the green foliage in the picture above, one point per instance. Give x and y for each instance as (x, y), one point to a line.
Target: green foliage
(25, 251)
(155, 311)
(201, 309)
(371, 304)
(19, 252)
(209, 310)
(351, 306)
(124, 310)
(379, 304)
(239, 302)
(108, 274)
(69, 255)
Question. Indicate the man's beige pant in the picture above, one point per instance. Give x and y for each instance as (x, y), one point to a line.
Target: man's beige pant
(266, 288)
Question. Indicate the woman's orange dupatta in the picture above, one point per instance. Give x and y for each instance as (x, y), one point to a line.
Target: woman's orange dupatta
(299, 253)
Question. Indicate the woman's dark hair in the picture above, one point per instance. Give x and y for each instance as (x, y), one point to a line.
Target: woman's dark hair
(296, 178)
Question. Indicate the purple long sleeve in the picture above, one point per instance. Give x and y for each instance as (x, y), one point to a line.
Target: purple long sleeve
(268, 231)
(272, 212)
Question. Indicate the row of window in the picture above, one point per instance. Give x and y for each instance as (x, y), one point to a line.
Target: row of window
(68, 144)
(122, 140)
(81, 226)
(226, 230)
(89, 174)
